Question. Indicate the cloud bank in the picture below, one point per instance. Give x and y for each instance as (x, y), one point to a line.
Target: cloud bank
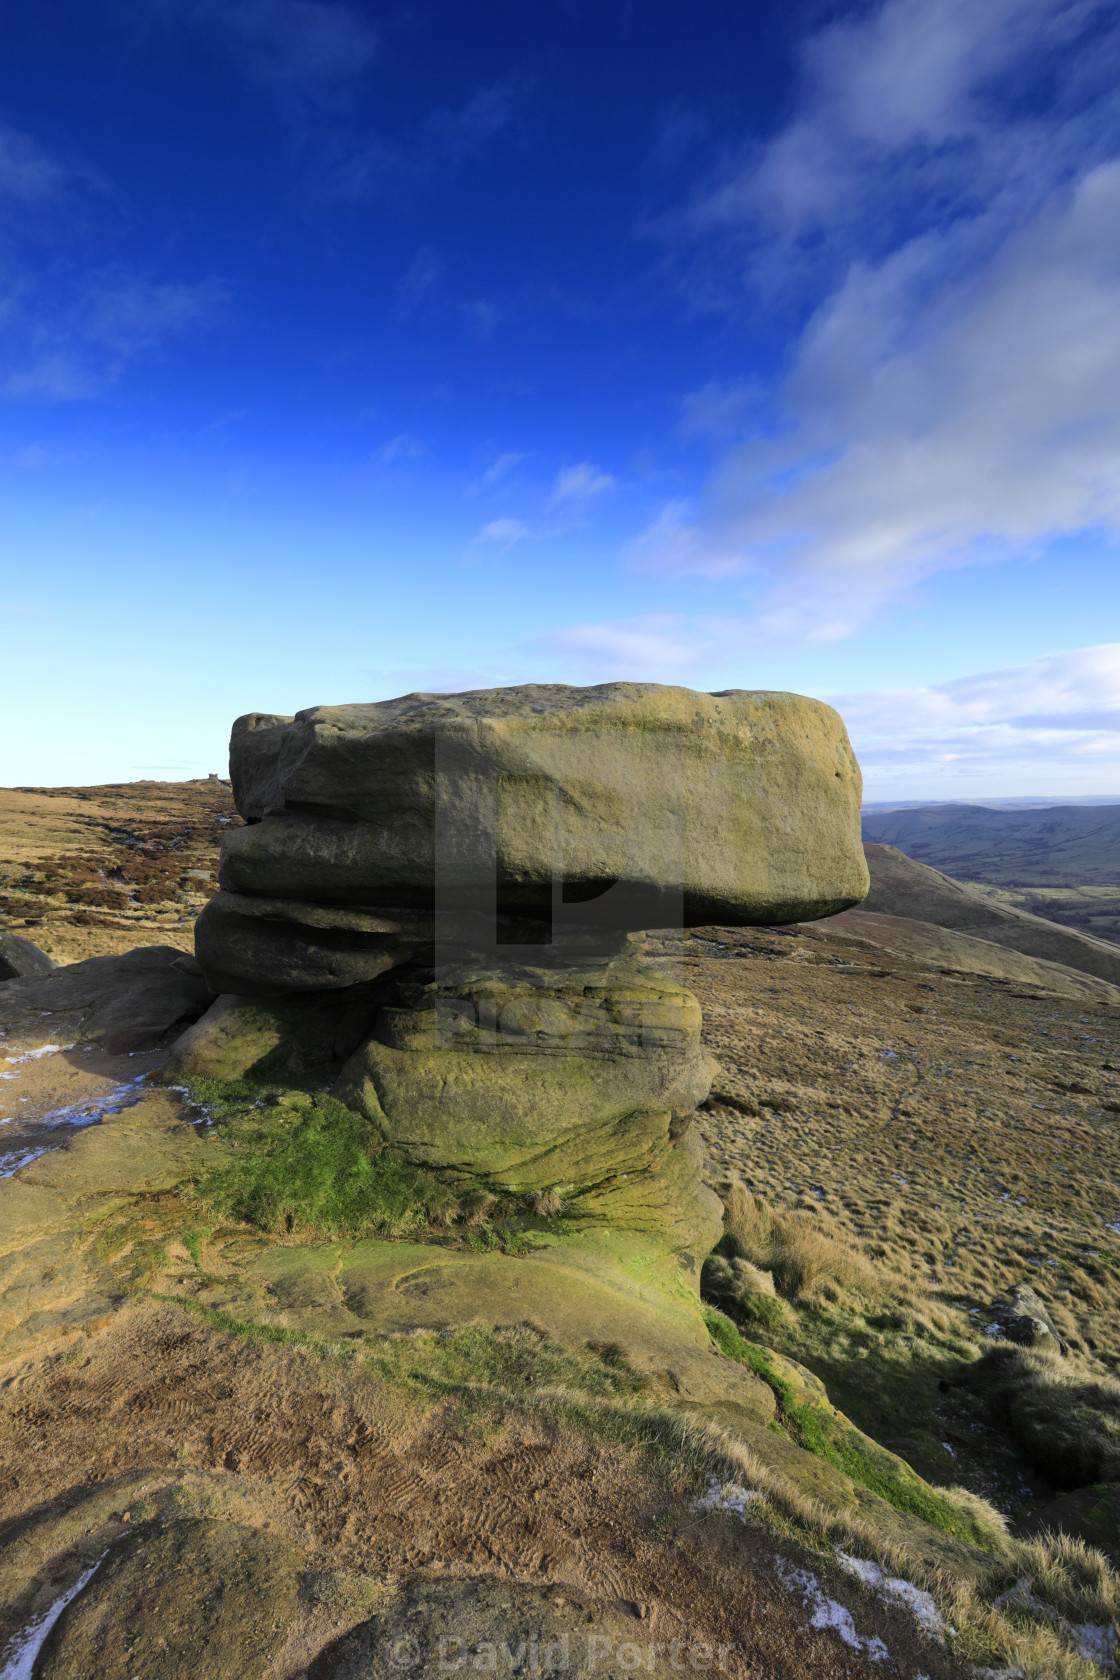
(1048, 727)
(947, 190)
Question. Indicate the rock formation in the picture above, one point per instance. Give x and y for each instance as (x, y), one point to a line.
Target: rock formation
(20, 959)
(463, 879)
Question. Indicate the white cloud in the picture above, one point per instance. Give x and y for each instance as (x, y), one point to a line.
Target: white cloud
(481, 316)
(28, 173)
(955, 395)
(1050, 726)
(460, 132)
(580, 483)
(447, 137)
(419, 278)
(655, 647)
(720, 411)
(74, 346)
(506, 532)
(497, 472)
(127, 313)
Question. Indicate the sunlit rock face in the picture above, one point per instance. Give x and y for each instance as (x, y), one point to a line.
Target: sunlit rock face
(475, 871)
(734, 808)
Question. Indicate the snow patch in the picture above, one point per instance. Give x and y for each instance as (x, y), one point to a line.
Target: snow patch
(30, 1056)
(826, 1613)
(722, 1496)
(23, 1653)
(891, 1589)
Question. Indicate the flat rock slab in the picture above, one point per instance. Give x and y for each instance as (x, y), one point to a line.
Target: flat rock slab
(655, 803)
(213, 1600)
(504, 1628)
(130, 1002)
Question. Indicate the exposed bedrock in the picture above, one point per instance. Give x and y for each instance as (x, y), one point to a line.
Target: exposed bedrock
(532, 1077)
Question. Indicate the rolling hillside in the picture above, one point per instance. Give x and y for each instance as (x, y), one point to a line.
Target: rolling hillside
(1061, 845)
(1061, 862)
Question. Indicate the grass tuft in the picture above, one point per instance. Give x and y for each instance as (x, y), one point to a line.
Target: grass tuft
(805, 1253)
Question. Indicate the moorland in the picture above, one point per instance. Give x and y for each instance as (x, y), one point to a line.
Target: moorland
(901, 1144)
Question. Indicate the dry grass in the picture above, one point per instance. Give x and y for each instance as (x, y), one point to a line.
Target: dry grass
(1072, 1583)
(805, 1253)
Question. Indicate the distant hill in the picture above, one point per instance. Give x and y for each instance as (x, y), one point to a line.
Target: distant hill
(904, 888)
(1057, 845)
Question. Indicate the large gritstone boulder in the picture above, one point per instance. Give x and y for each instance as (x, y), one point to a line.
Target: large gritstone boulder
(441, 898)
(735, 808)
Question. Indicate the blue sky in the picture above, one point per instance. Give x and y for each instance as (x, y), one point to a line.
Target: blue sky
(349, 349)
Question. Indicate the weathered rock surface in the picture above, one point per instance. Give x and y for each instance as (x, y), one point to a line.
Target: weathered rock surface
(533, 1076)
(486, 1626)
(269, 946)
(130, 1002)
(20, 959)
(274, 1038)
(210, 1599)
(901, 887)
(446, 889)
(738, 807)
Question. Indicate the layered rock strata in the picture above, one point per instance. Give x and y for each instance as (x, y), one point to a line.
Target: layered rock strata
(466, 876)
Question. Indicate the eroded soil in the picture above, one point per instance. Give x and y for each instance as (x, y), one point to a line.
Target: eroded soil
(153, 1417)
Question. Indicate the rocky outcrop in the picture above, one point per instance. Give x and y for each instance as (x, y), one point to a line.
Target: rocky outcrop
(20, 959)
(445, 893)
(736, 808)
(128, 1002)
(901, 887)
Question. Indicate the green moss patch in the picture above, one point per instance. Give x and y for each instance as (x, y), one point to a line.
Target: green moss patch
(309, 1165)
(816, 1426)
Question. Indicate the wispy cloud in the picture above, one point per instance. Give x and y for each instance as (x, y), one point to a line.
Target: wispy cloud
(29, 174)
(447, 138)
(580, 483)
(77, 342)
(419, 278)
(1050, 726)
(504, 532)
(458, 131)
(954, 395)
(403, 447)
(497, 472)
(653, 647)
